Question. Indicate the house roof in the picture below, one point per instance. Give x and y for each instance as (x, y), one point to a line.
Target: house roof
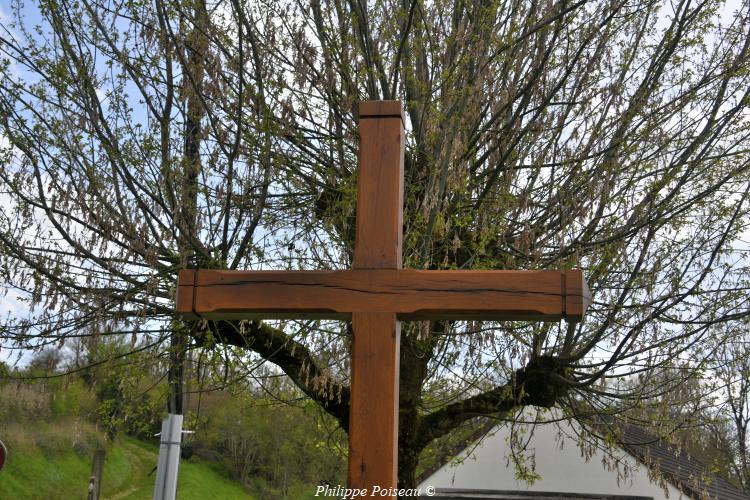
(685, 472)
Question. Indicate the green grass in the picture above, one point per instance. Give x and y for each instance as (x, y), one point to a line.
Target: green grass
(32, 474)
(196, 480)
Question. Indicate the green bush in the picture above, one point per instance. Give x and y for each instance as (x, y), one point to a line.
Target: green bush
(276, 451)
(70, 397)
(54, 439)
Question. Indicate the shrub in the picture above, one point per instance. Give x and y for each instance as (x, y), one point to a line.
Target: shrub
(272, 450)
(54, 439)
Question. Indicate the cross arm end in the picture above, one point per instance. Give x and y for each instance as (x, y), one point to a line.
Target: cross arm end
(577, 295)
(185, 298)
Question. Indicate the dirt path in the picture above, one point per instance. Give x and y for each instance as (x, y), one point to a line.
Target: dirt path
(139, 460)
(124, 494)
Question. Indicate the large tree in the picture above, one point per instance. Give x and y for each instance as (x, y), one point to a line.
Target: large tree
(139, 138)
(730, 424)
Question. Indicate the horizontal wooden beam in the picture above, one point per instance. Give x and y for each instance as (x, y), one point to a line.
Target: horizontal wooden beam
(411, 294)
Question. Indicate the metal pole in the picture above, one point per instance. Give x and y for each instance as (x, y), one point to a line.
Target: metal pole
(169, 458)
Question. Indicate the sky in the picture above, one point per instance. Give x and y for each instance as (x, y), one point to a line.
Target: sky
(9, 303)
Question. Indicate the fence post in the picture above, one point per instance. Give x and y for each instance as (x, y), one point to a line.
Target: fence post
(97, 469)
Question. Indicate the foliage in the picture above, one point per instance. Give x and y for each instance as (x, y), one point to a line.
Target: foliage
(606, 135)
(46, 360)
(53, 439)
(45, 400)
(730, 424)
(271, 449)
(275, 451)
(129, 396)
(31, 475)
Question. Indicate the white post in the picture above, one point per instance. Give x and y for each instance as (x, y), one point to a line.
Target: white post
(169, 458)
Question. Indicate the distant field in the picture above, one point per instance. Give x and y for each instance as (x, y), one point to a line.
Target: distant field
(29, 474)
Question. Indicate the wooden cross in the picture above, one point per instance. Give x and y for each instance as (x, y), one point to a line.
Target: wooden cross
(377, 293)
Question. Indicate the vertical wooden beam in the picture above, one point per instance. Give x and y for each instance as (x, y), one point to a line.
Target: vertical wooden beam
(380, 198)
(373, 404)
(373, 407)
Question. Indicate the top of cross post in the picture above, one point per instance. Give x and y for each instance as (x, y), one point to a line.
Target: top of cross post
(381, 109)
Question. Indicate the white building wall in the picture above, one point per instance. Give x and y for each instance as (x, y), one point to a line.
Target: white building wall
(563, 469)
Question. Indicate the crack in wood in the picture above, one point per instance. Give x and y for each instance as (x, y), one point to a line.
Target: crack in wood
(399, 289)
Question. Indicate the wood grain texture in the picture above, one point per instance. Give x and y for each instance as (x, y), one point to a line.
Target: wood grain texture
(377, 293)
(379, 109)
(380, 188)
(410, 293)
(184, 304)
(373, 406)
(577, 295)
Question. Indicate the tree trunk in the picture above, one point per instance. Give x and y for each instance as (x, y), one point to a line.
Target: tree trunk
(413, 372)
(196, 51)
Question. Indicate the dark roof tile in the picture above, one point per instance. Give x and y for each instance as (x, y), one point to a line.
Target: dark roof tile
(685, 472)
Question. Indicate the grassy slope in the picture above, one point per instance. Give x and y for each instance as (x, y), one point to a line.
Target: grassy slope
(30, 475)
